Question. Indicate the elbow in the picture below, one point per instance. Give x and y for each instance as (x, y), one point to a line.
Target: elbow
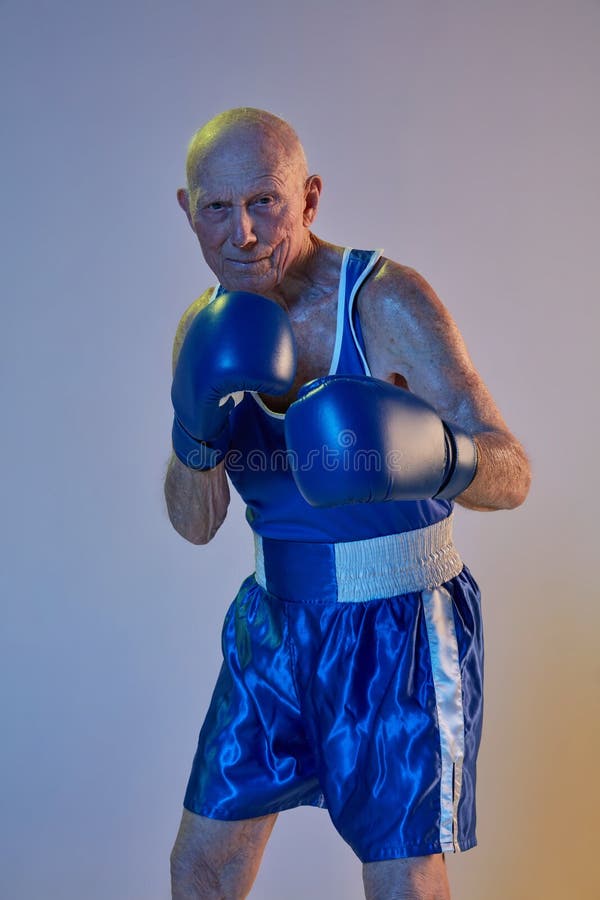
(519, 491)
(196, 506)
(199, 529)
(489, 496)
(198, 533)
(520, 483)
(503, 478)
(198, 538)
(510, 499)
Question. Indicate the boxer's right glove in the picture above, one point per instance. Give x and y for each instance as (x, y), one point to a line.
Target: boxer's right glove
(238, 342)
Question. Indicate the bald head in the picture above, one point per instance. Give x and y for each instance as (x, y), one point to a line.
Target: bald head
(250, 200)
(245, 125)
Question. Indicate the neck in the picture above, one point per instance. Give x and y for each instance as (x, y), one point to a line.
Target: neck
(315, 272)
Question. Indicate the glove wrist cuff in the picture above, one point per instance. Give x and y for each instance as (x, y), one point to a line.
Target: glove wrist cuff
(200, 455)
(462, 462)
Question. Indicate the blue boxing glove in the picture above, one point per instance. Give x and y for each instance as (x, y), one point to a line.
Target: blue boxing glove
(238, 342)
(355, 439)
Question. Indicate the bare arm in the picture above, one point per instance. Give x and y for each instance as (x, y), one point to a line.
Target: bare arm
(197, 501)
(411, 339)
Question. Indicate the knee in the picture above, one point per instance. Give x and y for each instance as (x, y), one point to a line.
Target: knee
(217, 860)
(415, 878)
(193, 877)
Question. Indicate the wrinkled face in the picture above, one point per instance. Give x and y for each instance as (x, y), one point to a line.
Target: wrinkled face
(248, 207)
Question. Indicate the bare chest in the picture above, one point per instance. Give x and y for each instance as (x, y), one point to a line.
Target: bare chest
(315, 331)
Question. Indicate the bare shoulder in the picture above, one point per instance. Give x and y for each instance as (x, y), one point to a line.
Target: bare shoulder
(412, 340)
(397, 297)
(187, 319)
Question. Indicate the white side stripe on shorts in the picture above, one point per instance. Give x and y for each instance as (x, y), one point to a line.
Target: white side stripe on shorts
(445, 664)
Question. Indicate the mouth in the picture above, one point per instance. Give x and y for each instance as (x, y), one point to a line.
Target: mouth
(247, 262)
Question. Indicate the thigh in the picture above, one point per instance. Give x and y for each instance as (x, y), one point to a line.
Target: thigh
(393, 708)
(416, 878)
(213, 852)
(217, 840)
(252, 757)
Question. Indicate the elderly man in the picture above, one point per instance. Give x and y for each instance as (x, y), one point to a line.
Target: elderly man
(334, 389)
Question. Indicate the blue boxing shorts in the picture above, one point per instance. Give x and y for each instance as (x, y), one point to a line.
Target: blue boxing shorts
(351, 680)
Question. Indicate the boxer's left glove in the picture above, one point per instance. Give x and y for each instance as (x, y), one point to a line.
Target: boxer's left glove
(238, 342)
(355, 439)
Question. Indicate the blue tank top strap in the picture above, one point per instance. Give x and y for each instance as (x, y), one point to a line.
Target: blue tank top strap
(356, 266)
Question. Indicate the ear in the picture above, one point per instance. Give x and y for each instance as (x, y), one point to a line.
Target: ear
(183, 198)
(312, 193)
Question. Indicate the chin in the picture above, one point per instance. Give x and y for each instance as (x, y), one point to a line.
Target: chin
(254, 284)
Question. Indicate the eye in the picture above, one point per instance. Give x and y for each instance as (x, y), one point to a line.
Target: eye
(217, 205)
(264, 201)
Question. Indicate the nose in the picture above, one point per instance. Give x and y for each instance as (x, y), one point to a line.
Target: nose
(242, 228)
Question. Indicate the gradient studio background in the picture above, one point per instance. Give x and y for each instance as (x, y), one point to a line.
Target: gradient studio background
(464, 139)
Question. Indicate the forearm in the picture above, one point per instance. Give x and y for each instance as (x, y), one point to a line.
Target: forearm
(503, 474)
(197, 501)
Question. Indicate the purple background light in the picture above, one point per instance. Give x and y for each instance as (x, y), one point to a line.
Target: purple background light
(464, 139)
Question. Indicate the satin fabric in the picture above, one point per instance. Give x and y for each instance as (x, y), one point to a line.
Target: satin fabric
(334, 704)
(353, 571)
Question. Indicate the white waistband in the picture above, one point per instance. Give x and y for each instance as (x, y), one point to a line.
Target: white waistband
(368, 569)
